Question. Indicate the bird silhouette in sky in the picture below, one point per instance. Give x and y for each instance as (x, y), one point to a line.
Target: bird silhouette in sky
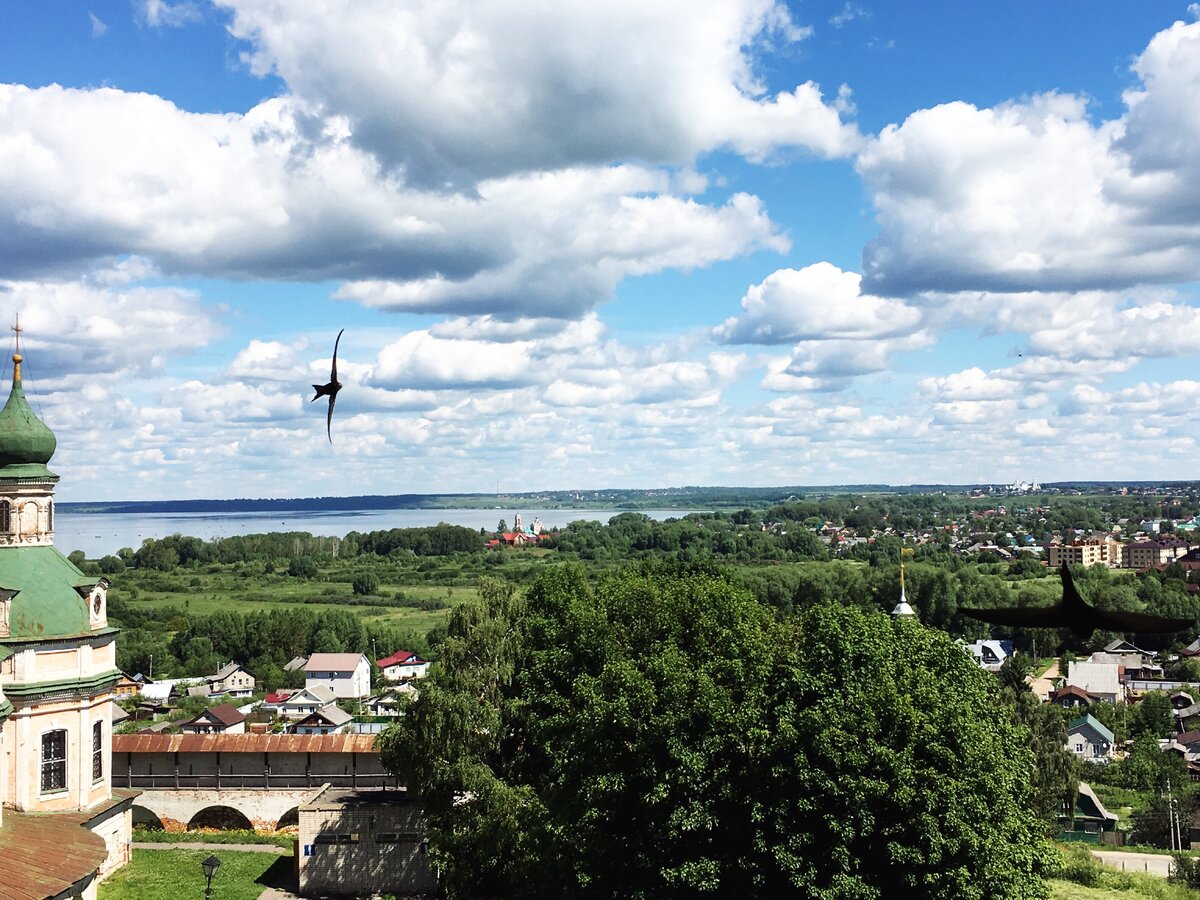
(330, 390)
(1077, 614)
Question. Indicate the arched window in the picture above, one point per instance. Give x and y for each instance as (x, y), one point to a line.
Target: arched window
(49, 515)
(5, 516)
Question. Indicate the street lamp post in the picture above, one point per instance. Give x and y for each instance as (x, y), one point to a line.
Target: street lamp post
(210, 867)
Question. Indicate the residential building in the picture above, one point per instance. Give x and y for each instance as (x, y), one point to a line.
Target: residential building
(126, 687)
(1090, 552)
(330, 720)
(306, 701)
(1147, 554)
(348, 675)
(1101, 680)
(273, 702)
(403, 665)
(991, 655)
(1071, 696)
(1087, 820)
(1089, 738)
(232, 679)
(222, 719)
(62, 827)
(392, 703)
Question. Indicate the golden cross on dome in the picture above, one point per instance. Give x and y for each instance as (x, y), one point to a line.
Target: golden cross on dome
(17, 329)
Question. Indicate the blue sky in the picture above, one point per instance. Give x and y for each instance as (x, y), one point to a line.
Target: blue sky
(612, 244)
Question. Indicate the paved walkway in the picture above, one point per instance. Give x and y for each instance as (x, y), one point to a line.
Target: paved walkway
(197, 845)
(1152, 863)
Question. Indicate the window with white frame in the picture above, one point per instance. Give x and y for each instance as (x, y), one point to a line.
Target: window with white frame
(54, 760)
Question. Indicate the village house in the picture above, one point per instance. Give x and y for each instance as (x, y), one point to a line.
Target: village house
(1100, 679)
(306, 701)
(392, 703)
(1087, 820)
(1070, 697)
(232, 680)
(403, 665)
(991, 655)
(222, 719)
(126, 687)
(1089, 738)
(331, 719)
(348, 675)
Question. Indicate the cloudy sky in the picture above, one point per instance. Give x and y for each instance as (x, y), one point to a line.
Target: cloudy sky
(612, 244)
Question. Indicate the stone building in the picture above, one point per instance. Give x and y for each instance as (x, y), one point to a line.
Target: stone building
(363, 842)
(63, 828)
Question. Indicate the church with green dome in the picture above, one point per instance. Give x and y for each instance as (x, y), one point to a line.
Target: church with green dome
(57, 674)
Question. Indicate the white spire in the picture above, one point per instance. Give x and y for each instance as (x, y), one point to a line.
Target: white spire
(902, 608)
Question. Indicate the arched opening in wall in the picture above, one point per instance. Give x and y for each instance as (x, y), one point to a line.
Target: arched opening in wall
(289, 820)
(221, 818)
(144, 818)
(5, 516)
(30, 517)
(49, 515)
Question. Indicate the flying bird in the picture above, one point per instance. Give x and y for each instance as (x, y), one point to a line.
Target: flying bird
(330, 390)
(1077, 614)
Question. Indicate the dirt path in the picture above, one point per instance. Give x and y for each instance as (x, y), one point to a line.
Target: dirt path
(1044, 683)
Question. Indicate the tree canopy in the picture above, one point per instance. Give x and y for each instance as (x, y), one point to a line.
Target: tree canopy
(662, 734)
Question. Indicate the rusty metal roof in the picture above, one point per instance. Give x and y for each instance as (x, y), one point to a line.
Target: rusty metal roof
(44, 854)
(243, 743)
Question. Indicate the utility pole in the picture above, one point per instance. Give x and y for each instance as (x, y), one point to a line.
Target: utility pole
(1171, 817)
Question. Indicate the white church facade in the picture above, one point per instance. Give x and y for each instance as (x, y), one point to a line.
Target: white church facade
(62, 826)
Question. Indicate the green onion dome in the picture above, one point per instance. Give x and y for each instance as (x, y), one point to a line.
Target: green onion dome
(26, 444)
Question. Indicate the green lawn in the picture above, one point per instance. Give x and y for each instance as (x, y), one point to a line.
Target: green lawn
(155, 874)
(1142, 887)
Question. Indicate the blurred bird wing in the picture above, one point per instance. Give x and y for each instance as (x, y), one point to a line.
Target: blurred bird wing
(1022, 616)
(329, 416)
(333, 371)
(1143, 623)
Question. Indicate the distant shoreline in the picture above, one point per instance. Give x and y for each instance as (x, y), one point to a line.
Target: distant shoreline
(621, 498)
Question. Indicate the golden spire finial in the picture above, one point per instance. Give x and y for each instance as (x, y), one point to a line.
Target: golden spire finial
(901, 579)
(17, 329)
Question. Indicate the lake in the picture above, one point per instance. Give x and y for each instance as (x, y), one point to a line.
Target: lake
(97, 534)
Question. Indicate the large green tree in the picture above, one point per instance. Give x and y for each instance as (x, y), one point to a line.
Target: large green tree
(662, 734)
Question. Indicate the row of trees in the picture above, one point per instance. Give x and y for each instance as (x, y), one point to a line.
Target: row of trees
(177, 550)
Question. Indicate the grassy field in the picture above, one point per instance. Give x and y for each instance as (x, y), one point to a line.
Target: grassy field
(204, 593)
(154, 874)
(1139, 887)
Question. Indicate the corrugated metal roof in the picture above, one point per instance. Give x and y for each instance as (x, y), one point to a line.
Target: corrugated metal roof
(243, 743)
